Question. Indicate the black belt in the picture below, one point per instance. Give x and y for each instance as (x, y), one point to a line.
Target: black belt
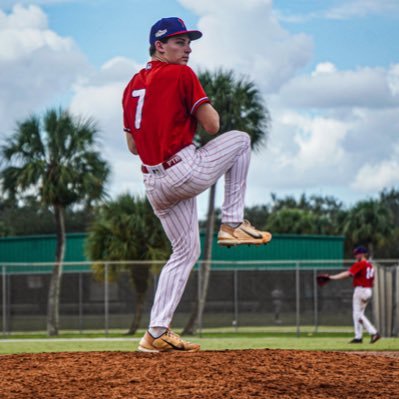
(166, 165)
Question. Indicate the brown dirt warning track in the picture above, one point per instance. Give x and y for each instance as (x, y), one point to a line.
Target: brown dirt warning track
(224, 374)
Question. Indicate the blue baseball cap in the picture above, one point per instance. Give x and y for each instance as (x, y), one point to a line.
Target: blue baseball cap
(360, 250)
(173, 26)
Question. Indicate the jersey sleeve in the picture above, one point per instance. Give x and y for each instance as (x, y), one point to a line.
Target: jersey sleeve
(192, 91)
(355, 268)
(126, 126)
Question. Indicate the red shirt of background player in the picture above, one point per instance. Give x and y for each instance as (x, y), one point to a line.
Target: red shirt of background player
(159, 103)
(363, 274)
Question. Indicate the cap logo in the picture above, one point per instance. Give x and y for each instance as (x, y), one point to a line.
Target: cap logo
(161, 33)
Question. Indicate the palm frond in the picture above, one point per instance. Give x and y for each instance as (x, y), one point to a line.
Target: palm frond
(58, 156)
(239, 103)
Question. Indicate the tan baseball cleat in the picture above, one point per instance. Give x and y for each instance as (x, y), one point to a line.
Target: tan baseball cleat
(245, 233)
(167, 342)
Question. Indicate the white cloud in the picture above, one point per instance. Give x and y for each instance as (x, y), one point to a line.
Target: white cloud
(99, 96)
(344, 10)
(327, 87)
(377, 176)
(249, 39)
(6, 4)
(348, 154)
(303, 153)
(393, 80)
(23, 18)
(362, 8)
(36, 64)
(316, 138)
(324, 68)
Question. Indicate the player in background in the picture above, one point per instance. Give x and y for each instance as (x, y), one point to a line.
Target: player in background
(162, 105)
(362, 272)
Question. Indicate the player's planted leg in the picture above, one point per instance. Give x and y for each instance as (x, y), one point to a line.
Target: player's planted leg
(180, 224)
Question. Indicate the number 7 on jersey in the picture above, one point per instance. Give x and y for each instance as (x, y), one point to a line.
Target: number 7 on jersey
(139, 109)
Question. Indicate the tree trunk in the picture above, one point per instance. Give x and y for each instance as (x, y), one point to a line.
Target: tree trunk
(55, 282)
(138, 313)
(205, 268)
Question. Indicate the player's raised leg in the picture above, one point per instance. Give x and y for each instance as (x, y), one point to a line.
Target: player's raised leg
(229, 155)
(233, 151)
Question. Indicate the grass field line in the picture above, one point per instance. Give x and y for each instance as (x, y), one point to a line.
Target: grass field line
(99, 339)
(96, 339)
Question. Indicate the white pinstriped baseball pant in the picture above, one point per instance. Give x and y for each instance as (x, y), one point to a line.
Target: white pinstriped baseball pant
(172, 195)
(361, 298)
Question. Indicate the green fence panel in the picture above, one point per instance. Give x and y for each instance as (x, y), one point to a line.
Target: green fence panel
(283, 248)
(35, 249)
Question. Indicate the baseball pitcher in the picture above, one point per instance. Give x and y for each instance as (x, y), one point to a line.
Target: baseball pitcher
(362, 272)
(162, 105)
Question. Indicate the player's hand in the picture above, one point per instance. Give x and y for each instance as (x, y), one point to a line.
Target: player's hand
(323, 279)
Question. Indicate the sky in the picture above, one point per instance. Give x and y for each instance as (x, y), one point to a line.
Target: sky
(328, 71)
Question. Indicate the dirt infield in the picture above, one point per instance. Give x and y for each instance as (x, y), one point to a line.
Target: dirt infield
(225, 374)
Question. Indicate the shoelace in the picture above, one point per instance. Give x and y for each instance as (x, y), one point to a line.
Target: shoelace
(174, 335)
(177, 336)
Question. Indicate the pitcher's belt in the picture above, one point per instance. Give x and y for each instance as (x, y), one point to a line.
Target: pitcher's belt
(162, 166)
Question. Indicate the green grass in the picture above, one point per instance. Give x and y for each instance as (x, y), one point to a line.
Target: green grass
(207, 332)
(210, 341)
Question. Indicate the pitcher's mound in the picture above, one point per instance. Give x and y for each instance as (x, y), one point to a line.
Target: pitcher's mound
(229, 374)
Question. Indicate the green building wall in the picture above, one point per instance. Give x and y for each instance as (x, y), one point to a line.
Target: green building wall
(41, 248)
(36, 249)
(284, 247)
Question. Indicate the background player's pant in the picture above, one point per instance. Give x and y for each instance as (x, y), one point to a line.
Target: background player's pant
(172, 195)
(361, 297)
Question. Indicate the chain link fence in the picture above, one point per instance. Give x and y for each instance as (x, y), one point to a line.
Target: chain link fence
(276, 295)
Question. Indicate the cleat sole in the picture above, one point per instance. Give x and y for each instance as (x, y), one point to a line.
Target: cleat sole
(146, 350)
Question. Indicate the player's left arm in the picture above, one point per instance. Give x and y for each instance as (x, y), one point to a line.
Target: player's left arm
(131, 144)
(208, 118)
(341, 276)
(197, 102)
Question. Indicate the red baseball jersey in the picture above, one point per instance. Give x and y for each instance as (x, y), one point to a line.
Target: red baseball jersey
(363, 274)
(159, 105)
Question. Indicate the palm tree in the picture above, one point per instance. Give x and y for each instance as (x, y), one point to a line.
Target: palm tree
(297, 221)
(240, 106)
(307, 215)
(127, 229)
(390, 199)
(56, 158)
(369, 222)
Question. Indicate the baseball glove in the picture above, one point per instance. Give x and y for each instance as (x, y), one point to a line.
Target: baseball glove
(323, 279)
